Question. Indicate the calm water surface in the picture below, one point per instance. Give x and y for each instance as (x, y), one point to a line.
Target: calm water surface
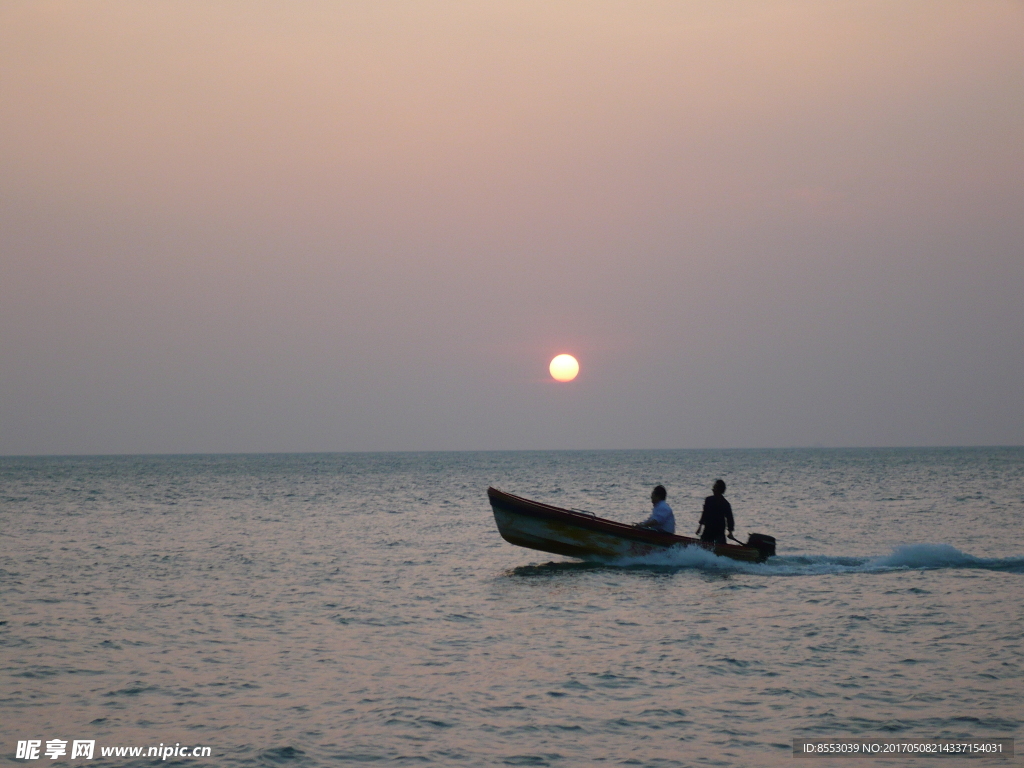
(362, 609)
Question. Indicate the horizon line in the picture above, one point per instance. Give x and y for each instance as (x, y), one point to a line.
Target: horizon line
(503, 450)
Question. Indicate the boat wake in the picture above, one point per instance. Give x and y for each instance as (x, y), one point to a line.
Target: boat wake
(903, 558)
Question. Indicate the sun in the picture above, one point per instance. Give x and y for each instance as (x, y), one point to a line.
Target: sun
(564, 368)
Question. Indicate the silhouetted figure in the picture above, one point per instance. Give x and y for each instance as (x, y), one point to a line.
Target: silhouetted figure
(717, 516)
(662, 518)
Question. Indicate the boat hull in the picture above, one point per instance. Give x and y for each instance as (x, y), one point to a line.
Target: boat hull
(533, 525)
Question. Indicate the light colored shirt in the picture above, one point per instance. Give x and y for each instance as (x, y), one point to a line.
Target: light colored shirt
(661, 518)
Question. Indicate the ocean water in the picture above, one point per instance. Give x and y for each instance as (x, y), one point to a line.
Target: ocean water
(361, 609)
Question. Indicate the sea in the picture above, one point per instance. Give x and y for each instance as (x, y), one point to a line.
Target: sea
(361, 609)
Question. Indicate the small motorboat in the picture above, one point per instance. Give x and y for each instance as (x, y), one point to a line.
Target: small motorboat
(581, 534)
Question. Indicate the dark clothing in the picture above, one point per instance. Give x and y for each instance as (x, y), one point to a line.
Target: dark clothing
(716, 518)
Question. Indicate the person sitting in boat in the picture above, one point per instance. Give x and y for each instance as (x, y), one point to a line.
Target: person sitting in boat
(661, 518)
(717, 516)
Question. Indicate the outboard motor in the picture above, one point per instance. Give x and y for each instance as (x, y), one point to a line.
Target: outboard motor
(764, 544)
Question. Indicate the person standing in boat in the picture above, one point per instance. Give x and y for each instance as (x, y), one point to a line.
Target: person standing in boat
(717, 516)
(662, 518)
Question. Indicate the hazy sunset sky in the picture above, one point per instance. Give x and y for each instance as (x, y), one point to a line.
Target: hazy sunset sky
(346, 226)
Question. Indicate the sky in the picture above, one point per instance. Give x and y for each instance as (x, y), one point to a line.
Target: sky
(362, 226)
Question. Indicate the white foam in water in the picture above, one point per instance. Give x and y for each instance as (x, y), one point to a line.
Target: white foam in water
(680, 557)
(904, 557)
(927, 556)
